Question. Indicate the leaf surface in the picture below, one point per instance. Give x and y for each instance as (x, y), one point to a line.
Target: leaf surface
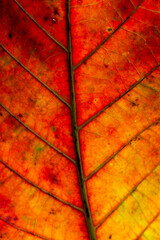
(79, 120)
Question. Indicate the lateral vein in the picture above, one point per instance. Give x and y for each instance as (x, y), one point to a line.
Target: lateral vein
(109, 159)
(118, 98)
(106, 39)
(41, 189)
(38, 25)
(155, 217)
(24, 230)
(37, 135)
(121, 202)
(34, 76)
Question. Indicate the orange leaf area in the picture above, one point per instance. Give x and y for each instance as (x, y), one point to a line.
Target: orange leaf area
(79, 120)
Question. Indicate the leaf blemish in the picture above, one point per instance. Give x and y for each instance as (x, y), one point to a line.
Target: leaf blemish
(38, 148)
(52, 211)
(20, 115)
(56, 11)
(133, 104)
(10, 35)
(15, 218)
(45, 18)
(53, 128)
(8, 218)
(54, 20)
(109, 29)
(4, 202)
(49, 175)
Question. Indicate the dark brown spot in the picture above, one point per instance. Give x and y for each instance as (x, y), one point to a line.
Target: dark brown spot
(156, 123)
(10, 35)
(56, 11)
(52, 211)
(110, 236)
(20, 115)
(1, 114)
(109, 29)
(137, 138)
(106, 66)
(133, 104)
(45, 18)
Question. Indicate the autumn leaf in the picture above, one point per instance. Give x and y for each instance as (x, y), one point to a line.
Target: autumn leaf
(79, 120)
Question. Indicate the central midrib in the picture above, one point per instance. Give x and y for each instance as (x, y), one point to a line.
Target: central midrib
(87, 212)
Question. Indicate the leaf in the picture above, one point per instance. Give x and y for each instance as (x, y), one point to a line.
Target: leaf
(79, 120)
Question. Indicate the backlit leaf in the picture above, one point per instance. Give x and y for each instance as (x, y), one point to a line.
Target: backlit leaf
(79, 119)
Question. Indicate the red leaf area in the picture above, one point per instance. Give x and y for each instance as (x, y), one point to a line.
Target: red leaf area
(79, 119)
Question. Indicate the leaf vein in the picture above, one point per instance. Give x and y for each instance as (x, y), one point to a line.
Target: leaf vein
(39, 26)
(121, 202)
(37, 135)
(118, 98)
(34, 76)
(24, 230)
(106, 39)
(41, 189)
(155, 217)
(110, 158)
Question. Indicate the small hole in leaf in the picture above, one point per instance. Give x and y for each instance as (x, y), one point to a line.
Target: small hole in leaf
(54, 20)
